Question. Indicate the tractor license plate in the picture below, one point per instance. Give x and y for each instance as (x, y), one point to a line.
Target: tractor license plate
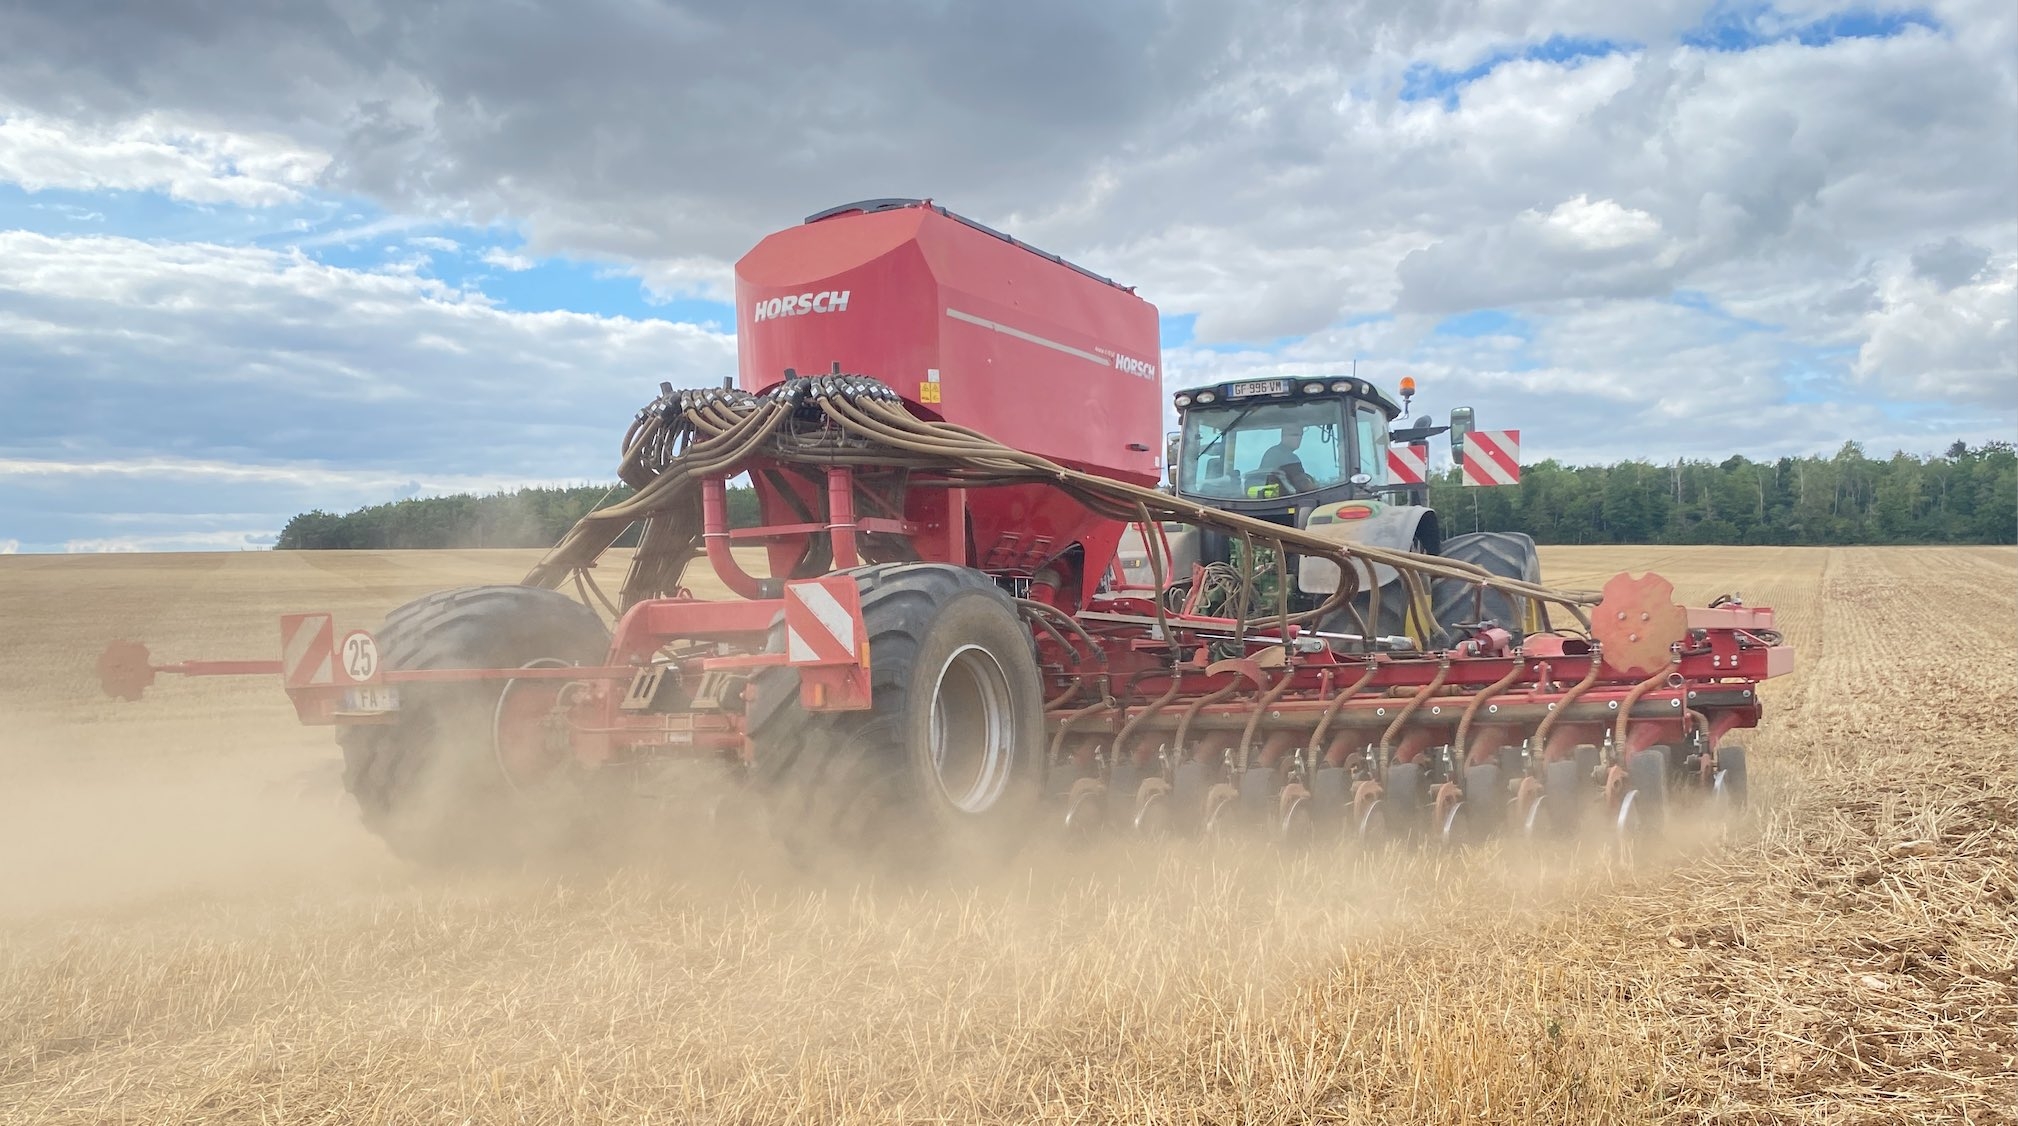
(1260, 387)
(371, 698)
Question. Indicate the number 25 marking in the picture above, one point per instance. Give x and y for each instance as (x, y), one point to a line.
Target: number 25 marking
(360, 656)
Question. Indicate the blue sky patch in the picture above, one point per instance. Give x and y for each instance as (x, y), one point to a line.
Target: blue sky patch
(350, 235)
(1815, 375)
(1731, 324)
(1483, 322)
(153, 216)
(565, 284)
(1742, 27)
(1425, 82)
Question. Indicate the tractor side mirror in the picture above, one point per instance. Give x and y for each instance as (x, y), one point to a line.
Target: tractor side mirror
(1460, 425)
(1170, 441)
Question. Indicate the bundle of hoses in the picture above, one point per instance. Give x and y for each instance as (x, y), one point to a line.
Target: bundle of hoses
(685, 437)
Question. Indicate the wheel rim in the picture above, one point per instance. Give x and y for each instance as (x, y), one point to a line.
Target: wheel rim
(518, 739)
(973, 729)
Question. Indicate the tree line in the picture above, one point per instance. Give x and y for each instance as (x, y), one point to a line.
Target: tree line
(1966, 495)
(529, 517)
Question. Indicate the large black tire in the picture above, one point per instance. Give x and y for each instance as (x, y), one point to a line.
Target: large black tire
(1731, 786)
(1485, 802)
(1509, 555)
(1392, 621)
(429, 783)
(1565, 794)
(1402, 803)
(1647, 778)
(946, 768)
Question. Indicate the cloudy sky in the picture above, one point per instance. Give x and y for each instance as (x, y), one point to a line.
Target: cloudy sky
(262, 257)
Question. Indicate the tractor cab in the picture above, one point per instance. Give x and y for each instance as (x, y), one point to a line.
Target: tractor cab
(1312, 453)
(1280, 448)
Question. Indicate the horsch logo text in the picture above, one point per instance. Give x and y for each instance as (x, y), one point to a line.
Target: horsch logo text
(799, 304)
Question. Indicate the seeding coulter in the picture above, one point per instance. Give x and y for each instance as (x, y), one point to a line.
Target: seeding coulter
(969, 611)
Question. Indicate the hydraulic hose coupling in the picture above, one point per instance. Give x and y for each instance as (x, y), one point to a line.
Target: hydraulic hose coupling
(670, 404)
(793, 391)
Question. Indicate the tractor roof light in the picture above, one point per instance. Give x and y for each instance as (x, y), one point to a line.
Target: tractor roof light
(1408, 387)
(1313, 388)
(1206, 396)
(1183, 400)
(1342, 386)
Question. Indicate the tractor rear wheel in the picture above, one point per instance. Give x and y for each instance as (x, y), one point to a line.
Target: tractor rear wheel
(946, 766)
(1508, 555)
(433, 782)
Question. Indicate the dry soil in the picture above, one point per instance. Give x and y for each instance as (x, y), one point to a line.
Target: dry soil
(193, 928)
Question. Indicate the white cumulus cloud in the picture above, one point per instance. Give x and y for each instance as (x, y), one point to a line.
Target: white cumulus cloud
(506, 260)
(155, 152)
(1588, 224)
(1930, 341)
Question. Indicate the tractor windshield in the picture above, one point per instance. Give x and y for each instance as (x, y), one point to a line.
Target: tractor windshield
(1279, 448)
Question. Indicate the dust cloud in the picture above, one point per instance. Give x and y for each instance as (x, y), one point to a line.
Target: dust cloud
(98, 834)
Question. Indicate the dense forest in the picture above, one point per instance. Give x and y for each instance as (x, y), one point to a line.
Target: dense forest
(532, 517)
(1967, 495)
(1964, 496)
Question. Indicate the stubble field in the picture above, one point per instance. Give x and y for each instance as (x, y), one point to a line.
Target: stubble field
(194, 929)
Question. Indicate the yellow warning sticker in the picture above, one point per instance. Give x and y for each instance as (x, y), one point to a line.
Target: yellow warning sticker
(928, 392)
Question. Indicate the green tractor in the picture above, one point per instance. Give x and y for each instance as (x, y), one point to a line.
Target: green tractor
(1314, 453)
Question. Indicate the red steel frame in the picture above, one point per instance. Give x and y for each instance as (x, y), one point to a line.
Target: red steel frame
(1114, 688)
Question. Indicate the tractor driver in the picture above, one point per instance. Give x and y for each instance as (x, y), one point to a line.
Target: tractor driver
(1281, 462)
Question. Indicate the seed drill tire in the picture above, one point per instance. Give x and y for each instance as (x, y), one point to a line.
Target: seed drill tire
(1564, 796)
(860, 787)
(429, 782)
(1485, 804)
(1402, 801)
(1732, 780)
(1647, 772)
(1508, 555)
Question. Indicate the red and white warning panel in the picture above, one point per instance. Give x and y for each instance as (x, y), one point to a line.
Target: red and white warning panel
(307, 649)
(1492, 457)
(333, 680)
(1408, 465)
(826, 639)
(823, 622)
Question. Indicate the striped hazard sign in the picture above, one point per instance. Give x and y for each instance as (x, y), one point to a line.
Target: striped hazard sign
(1492, 457)
(307, 649)
(823, 622)
(1408, 465)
